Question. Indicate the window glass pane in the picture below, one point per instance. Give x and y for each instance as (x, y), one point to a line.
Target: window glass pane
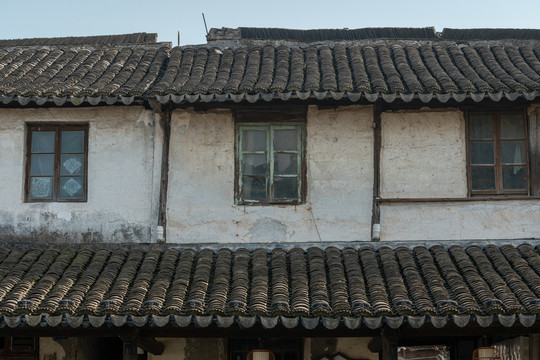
(285, 188)
(42, 164)
(285, 139)
(285, 164)
(514, 177)
(480, 126)
(72, 141)
(71, 187)
(72, 164)
(254, 164)
(22, 343)
(253, 188)
(254, 140)
(238, 356)
(483, 178)
(290, 356)
(290, 344)
(512, 126)
(41, 187)
(42, 141)
(2, 342)
(481, 152)
(513, 152)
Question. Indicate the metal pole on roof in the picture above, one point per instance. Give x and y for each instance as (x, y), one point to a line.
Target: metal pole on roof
(206, 27)
(178, 38)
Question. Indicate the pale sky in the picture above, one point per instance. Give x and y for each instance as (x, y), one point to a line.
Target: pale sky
(56, 18)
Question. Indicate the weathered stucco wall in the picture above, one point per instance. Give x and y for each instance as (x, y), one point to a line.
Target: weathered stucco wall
(339, 156)
(423, 154)
(123, 168)
(512, 219)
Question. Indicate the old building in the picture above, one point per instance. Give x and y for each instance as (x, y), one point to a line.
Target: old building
(323, 194)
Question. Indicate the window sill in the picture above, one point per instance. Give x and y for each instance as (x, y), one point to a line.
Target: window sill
(475, 198)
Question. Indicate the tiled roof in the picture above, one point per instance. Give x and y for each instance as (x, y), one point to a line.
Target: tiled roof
(366, 285)
(391, 69)
(102, 40)
(490, 34)
(79, 73)
(433, 69)
(336, 34)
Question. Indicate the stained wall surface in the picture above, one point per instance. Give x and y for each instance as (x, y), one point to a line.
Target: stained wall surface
(424, 168)
(423, 154)
(339, 161)
(123, 173)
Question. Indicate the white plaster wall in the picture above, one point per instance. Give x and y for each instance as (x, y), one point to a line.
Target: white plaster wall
(339, 159)
(512, 219)
(48, 348)
(121, 178)
(423, 154)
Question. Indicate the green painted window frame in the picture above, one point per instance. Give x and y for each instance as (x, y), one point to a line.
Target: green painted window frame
(270, 175)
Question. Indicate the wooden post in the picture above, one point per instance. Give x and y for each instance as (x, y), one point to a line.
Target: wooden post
(534, 346)
(389, 344)
(129, 347)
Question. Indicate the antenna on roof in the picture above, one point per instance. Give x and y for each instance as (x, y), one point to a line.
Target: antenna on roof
(206, 27)
(178, 37)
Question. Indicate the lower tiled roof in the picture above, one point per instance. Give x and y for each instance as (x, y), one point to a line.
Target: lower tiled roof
(362, 285)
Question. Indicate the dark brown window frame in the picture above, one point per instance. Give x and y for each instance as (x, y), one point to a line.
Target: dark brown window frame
(57, 127)
(499, 191)
(8, 353)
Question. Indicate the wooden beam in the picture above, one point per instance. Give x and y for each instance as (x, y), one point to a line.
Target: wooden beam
(151, 345)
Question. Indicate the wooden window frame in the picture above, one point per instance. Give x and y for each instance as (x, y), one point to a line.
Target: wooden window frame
(498, 166)
(8, 353)
(301, 171)
(57, 128)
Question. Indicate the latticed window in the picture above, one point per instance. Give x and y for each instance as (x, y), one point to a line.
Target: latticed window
(498, 154)
(270, 163)
(56, 164)
(21, 348)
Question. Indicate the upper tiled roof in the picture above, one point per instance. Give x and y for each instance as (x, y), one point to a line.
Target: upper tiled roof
(367, 285)
(391, 69)
(79, 73)
(415, 63)
(491, 34)
(334, 34)
(101, 40)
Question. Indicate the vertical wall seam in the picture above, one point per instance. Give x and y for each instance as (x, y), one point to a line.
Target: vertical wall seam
(166, 123)
(377, 139)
